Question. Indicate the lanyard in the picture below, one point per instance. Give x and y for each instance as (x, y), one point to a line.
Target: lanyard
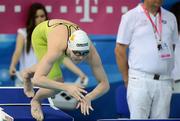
(159, 32)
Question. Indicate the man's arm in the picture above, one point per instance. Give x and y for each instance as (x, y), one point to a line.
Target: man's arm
(99, 73)
(121, 59)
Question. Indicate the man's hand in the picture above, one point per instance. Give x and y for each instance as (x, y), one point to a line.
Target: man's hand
(126, 82)
(85, 105)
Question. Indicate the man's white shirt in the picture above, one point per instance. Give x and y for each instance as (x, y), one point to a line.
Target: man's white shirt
(137, 31)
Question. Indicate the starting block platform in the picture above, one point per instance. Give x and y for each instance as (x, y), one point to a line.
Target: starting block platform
(14, 102)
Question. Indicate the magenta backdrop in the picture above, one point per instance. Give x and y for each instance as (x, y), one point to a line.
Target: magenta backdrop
(100, 16)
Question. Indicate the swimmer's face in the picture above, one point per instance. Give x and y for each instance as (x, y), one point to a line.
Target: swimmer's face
(78, 56)
(40, 16)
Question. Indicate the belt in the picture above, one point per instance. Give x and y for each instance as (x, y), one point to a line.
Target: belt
(156, 77)
(148, 75)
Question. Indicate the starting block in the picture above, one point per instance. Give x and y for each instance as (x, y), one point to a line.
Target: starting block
(15, 104)
(63, 100)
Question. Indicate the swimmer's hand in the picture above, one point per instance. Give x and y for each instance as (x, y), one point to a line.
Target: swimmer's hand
(76, 91)
(85, 105)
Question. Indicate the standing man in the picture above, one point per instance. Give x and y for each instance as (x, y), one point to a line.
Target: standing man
(176, 72)
(149, 32)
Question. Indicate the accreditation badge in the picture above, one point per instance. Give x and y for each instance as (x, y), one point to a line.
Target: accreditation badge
(164, 51)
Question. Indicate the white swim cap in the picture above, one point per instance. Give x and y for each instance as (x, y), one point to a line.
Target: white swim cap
(79, 40)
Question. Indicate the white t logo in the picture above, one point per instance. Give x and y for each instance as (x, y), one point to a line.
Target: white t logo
(86, 17)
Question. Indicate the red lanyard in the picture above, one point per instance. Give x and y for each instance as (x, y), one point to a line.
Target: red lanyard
(153, 24)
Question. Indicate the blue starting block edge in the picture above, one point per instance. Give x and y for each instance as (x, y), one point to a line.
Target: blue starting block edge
(23, 113)
(14, 102)
(16, 96)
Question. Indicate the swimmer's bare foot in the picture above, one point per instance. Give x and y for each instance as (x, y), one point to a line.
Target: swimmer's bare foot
(28, 87)
(36, 110)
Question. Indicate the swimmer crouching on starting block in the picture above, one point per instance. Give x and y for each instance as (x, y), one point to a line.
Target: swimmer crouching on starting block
(58, 42)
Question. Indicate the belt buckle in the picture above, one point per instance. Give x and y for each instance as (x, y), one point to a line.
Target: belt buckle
(156, 76)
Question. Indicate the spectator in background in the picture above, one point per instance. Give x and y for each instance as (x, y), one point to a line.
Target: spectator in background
(23, 52)
(149, 31)
(176, 72)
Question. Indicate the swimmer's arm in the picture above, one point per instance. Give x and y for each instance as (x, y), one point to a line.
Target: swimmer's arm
(71, 66)
(40, 78)
(56, 45)
(99, 73)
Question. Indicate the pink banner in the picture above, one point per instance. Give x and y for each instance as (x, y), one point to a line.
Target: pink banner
(94, 16)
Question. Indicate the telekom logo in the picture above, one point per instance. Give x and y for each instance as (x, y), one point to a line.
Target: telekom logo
(86, 10)
(86, 13)
(84, 7)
